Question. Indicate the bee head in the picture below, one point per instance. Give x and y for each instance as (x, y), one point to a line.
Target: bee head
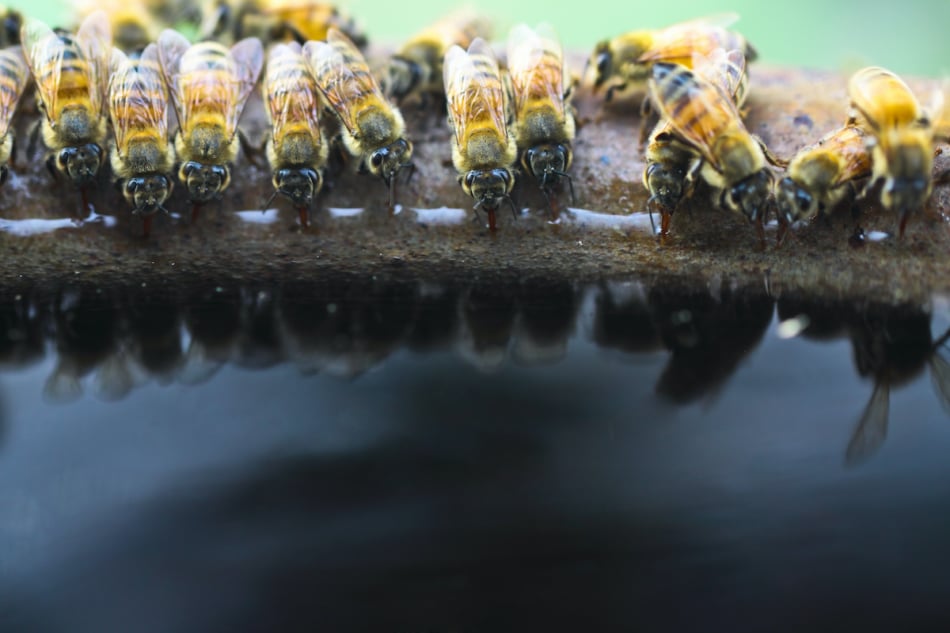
(299, 185)
(547, 162)
(204, 182)
(488, 186)
(751, 195)
(795, 202)
(908, 183)
(146, 194)
(80, 163)
(387, 161)
(665, 185)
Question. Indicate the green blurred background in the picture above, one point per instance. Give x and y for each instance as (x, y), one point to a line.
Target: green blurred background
(908, 36)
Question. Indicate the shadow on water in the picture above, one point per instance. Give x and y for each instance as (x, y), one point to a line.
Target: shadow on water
(483, 465)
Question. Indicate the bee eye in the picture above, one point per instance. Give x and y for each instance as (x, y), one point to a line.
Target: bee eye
(470, 178)
(802, 199)
(603, 63)
(377, 159)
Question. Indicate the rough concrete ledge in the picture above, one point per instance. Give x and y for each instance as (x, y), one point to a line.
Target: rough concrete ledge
(605, 236)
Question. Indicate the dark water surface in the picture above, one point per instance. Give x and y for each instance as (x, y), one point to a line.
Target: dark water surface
(359, 456)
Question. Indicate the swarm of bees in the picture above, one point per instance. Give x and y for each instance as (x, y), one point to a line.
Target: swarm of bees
(509, 122)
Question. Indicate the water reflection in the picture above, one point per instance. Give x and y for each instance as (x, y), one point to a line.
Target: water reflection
(108, 343)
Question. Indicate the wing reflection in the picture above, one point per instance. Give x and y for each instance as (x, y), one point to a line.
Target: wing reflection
(107, 343)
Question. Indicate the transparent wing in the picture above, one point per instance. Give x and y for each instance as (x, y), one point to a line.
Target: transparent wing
(137, 96)
(872, 426)
(342, 74)
(44, 55)
(94, 38)
(883, 99)
(248, 59)
(291, 96)
(15, 68)
(678, 42)
(726, 70)
(697, 110)
(172, 46)
(536, 66)
(850, 143)
(940, 376)
(473, 88)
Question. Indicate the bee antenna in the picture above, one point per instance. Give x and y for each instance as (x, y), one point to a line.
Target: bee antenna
(267, 202)
(391, 181)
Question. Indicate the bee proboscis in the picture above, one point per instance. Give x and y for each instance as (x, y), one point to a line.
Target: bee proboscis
(373, 129)
(482, 150)
(142, 156)
(543, 125)
(296, 149)
(209, 85)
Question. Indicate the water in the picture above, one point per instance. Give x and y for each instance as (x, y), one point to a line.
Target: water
(357, 455)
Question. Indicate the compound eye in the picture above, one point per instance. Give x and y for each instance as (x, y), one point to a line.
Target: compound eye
(802, 199)
(377, 159)
(603, 62)
(470, 178)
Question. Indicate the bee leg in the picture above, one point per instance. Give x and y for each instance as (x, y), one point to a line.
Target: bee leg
(648, 120)
(760, 231)
(611, 90)
(251, 152)
(34, 136)
(51, 167)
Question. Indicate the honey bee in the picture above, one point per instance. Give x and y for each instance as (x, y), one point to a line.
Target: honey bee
(901, 142)
(71, 73)
(132, 22)
(628, 58)
(14, 75)
(416, 68)
(482, 150)
(734, 162)
(142, 156)
(672, 165)
(209, 85)
(543, 125)
(296, 150)
(275, 21)
(373, 129)
(821, 176)
(10, 23)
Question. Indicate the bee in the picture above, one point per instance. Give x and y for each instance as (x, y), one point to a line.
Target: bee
(416, 69)
(628, 58)
(133, 23)
(296, 149)
(901, 141)
(209, 85)
(142, 156)
(672, 165)
(543, 125)
(373, 129)
(482, 150)
(14, 75)
(734, 162)
(71, 73)
(10, 23)
(275, 21)
(821, 176)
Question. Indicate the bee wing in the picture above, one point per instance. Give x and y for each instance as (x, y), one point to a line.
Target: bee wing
(883, 99)
(469, 92)
(697, 110)
(940, 376)
(14, 67)
(727, 70)
(44, 55)
(536, 65)
(172, 46)
(137, 96)
(678, 42)
(248, 58)
(341, 74)
(94, 38)
(293, 106)
(872, 426)
(850, 143)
